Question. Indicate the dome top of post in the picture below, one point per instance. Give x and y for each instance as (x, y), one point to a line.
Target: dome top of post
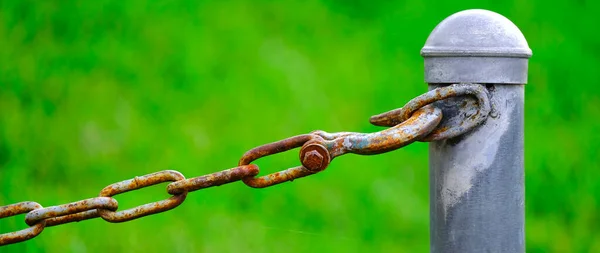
(476, 33)
(476, 46)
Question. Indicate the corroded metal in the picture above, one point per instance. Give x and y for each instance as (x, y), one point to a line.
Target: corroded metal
(319, 147)
(105, 206)
(274, 148)
(25, 234)
(50, 212)
(420, 119)
(77, 217)
(146, 209)
(314, 156)
(278, 177)
(472, 114)
(420, 124)
(213, 179)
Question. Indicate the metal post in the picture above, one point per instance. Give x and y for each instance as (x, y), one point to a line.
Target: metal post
(476, 180)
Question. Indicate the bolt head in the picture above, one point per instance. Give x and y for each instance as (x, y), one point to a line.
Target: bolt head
(313, 160)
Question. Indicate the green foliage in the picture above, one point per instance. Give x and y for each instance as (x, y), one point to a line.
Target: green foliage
(95, 92)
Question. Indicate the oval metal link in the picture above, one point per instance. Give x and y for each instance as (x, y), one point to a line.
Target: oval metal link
(443, 131)
(138, 183)
(77, 217)
(319, 147)
(420, 124)
(213, 179)
(73, 208)
(274, 148)
(278, 177)
(24, 234)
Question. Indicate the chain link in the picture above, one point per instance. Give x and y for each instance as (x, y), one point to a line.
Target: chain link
(51, 212)
(214, 179)
(418, 120)
(25, 234)
(138, 183)
(456, 126)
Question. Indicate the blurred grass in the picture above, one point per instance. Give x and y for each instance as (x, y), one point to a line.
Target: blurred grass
(96, 92)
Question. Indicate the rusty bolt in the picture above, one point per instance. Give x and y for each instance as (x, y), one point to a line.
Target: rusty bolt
(314, 157)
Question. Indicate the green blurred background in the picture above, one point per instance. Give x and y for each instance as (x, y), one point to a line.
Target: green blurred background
(95, 92)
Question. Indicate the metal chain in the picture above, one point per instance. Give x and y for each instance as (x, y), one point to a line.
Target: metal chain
(458, 127)
(418, 120)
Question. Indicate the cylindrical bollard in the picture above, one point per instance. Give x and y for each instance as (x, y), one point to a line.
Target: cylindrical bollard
(476, 180)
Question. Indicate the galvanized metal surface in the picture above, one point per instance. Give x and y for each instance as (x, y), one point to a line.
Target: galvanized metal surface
(476, 180)
(476, 46)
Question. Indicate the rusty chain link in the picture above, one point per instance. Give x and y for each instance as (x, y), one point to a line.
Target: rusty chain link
(25, 234)
(418, 120)
(319, 148)
(456, 127)
(56, 212)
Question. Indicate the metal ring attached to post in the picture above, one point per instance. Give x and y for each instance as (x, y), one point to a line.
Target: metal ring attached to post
(319, 147)
(397, 116)
(418, 125)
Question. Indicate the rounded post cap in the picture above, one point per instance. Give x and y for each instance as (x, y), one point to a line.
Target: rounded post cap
(488, 47)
